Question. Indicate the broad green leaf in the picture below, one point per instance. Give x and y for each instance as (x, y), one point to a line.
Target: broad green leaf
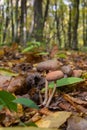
(26, 102)
(43, 53)
(6, 99)
(27, 124)
(28, 48)
(7, 72)
(66, 81)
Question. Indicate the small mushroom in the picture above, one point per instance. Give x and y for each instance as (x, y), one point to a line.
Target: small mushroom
(52, 65)
(77, 73)
(51, 76)
(54, 75)
(67, 70)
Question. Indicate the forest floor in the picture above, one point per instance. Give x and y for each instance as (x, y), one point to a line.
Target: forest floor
(35, 77)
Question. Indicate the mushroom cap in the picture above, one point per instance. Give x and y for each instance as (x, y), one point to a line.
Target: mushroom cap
(54, 75)
(77, 73)
(67, 70)
(52, 65)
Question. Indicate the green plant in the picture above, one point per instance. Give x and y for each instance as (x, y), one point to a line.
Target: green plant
(26, 102)
(31, 46)
(66, 81)
(9, 101)
(6, 99)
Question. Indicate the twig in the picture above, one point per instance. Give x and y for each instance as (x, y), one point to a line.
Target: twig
(51, 96)
(46, 93)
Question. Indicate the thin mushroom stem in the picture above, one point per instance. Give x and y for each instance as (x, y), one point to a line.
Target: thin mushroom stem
(51, 96)
(40, 98)
(46, 93)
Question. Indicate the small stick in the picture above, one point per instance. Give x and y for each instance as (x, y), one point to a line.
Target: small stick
(51, 96)
(46, 93)
(40, 97)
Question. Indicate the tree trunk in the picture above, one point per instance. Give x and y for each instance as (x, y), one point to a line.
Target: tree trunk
(75, 25)
(6, 21)
(68, 46)
(57, 19)
(38, 20)
(12, 21)
(23, 22)
(84, 23)
(16, 22)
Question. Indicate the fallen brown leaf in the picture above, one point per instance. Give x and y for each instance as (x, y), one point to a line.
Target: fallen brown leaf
(54, 120)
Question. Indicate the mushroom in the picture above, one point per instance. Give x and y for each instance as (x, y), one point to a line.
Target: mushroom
(51, 76)
(49, 65)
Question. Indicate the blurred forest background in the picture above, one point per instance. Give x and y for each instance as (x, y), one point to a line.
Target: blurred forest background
(47, 22)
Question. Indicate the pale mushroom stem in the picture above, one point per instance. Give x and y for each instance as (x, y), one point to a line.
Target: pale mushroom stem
(51, 96)
(46, 92)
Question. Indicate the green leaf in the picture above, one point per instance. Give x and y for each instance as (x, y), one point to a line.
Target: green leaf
(43, 53)
(27, 124)
(28, 48)
(51, 85)
(26, 102)
(1, 107)
(68, 81)
(61, 55)
(7, 72)
(6, 99)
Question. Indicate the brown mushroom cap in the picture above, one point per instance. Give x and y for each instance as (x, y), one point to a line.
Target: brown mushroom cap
(67, 70)
(55, 75)
(77, 73)
(53, 64)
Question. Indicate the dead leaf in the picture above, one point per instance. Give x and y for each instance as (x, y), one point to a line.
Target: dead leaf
(76, 100)
(79, 108)
(54, 51)
(17, 84)
(1, 53)
(4, 81)
(54, 120)
(77, 123)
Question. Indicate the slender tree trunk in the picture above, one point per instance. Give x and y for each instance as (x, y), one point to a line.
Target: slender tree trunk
(75, 26)
(57, 19)
(23, 22)
(63, 27)
(16, 37)
(68, 46)
(6, 21)
(84, 13)
(12, 20)
(46, 12)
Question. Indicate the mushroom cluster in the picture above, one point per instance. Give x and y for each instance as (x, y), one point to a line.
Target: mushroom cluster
(55, 70)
